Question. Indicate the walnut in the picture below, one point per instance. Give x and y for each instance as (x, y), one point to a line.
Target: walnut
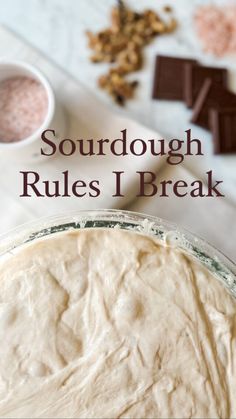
(122, 44)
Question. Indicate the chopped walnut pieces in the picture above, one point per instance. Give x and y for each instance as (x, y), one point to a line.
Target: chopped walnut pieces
(167, 9)
(122, 44)
(172, 25)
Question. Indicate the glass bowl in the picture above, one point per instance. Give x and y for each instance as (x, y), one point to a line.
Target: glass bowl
(166, 232)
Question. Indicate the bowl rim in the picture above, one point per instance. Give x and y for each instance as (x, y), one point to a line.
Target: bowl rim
(167, 232)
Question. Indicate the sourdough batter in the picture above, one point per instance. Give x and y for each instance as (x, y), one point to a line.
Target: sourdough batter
(108, 324)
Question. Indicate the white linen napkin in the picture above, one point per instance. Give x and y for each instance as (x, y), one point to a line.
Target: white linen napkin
(86, 117)
(213, 219)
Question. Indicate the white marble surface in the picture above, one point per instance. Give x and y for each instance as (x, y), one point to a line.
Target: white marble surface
(56, 27)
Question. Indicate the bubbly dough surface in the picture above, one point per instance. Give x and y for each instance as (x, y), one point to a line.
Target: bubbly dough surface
(112, 324)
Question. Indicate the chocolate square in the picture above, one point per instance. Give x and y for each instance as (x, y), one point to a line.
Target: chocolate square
(223, 127)
(211, 95)
(195, 75)
(169, 77)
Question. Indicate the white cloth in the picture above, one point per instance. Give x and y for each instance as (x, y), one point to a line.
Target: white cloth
(86, 116)
(213, 219)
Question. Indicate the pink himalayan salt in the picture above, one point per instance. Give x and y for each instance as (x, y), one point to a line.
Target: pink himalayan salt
(216, 28)
(231, 16)
(23, 107)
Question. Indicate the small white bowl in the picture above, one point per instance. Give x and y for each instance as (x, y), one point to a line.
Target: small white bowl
(27, 148)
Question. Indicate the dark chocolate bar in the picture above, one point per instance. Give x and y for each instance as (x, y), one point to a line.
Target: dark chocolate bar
(211, 95)
(223, 127)
(169, 77)
(195, 75)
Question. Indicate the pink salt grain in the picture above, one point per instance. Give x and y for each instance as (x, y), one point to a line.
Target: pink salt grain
(231, 16)
(216, 29)
(23, 107)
